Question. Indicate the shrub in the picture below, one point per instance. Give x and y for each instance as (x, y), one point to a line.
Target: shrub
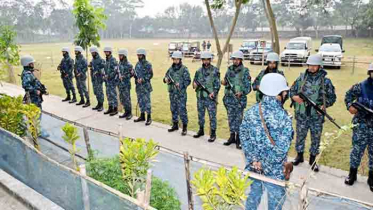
(11, 115)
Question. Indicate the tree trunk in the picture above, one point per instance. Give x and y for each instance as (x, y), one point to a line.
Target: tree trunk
(11, 76)
(272, 22)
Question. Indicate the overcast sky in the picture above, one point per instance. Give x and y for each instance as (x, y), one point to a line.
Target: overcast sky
(152, 7)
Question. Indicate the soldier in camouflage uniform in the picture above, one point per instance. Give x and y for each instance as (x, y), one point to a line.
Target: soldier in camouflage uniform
(273, 62)
(32, 86)
(125, 74)
(111, 81)
(207, 85)
(178, 79)
(262, 155)
(363, 132)
(237, 82)
(66, 68)
(314, 84)
(80, 69)
(143, 74)
(97, 75)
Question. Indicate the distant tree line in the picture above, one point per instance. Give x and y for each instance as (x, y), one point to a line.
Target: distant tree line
(53, 20)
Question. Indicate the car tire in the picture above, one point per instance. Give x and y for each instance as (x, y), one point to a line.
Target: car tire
(252, 63)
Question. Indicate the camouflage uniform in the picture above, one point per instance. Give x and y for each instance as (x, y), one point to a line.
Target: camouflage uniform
(97, 74)
(144, 70)
(363, 132)
(31, 85)
(320, 89)
(112, 80)
(178, 96)
(258, 148)
(81, 69)
(125, 71)
(257, 80)
(66, 69)
(210, 78)
(241, 81)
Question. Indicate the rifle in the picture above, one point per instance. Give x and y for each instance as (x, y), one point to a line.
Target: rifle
(172, 81)
(231, 87)
(310, 103)
(360, 107)
(205, 89)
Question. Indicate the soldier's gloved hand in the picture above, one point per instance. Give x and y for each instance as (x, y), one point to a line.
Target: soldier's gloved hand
(238, 95)
(223, 82)
(298, 99)
(352, 110)
(78, 75)
(166, 80)
(177, 85)
(194, 85)
(211, 95)
(133, 73)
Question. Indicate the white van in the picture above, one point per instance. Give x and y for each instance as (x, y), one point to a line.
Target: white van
(297, 50)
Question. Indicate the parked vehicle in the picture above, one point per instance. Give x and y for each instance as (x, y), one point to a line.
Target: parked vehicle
(297, 50)
(333, 39)
(332, 55)
(263, 49)
(248, 46)
(189, 48)
(174, 46)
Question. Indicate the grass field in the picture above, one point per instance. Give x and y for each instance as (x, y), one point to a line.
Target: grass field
(337, 155)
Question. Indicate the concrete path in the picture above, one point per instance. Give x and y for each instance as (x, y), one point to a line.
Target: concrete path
(328, 180)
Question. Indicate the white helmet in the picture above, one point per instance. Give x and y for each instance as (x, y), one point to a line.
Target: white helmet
(26, 60)
(314, 60)
(123, 52)
(206, 55)
(370, 68)
(108, 49)
(177, 54)
(141, 51)
(79, 49)
(273, 57)
(273, 84)
(93, 49)
(65, 49)
(237, 54)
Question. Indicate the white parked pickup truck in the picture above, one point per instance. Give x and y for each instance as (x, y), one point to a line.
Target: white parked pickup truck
(332, 55)
(297, 50)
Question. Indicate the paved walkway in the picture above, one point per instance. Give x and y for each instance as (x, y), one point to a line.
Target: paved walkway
(328, 180)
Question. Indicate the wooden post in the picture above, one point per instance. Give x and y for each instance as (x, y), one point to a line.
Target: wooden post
(303, 202)
(84, 188)
(148, 188)
(288, 65)
(353, 65)
(187, 175)
(87, 143)
(120, 134)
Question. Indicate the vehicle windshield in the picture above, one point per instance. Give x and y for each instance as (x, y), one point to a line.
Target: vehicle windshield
(250, 44)
(172, 46)
(330, 48)
(296, 46)
(267, 47)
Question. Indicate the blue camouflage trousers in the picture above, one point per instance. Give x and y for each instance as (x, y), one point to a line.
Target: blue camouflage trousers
(111, 93)
(235, 113)
(144, 100)
(82, 88)
(98, 89)
(178, 107)
(315, 125)
(203, 104)
(276, 195)
(125, 96)
(68, 85)
(361, 139)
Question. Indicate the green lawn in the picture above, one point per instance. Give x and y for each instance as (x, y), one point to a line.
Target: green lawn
(336, 156)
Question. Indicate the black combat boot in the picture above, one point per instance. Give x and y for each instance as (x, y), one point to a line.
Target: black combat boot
(175, 127)
(87, 104)
(149, 120)
(185, 130)
(114, 111)
(109, 110)
(81, 102)
(212, 136)
(97, 106)
(231, 140)
(315, 167)
(68, 98)
(238, 141)
(129, 116)
(124, 115)
(200, 133)
(298, 159)
(100, 107)
(141, 118)
(352, 176)
(370, 180)
(74, 99)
